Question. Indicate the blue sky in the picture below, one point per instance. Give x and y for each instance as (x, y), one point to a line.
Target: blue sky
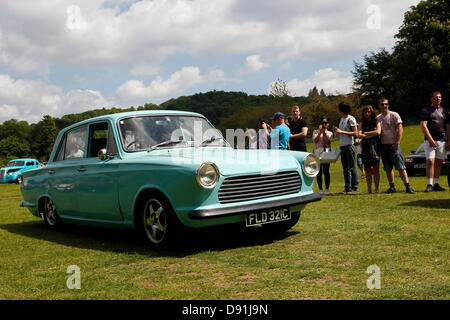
(59, 57)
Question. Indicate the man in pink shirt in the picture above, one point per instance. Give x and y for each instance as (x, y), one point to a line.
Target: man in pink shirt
(390, 129)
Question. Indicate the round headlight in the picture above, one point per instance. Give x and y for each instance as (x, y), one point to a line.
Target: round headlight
(311, 165)
(207, 175)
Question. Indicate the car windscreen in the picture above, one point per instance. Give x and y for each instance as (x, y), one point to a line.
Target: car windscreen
(147, 132)
(420, 149)
(15, 164)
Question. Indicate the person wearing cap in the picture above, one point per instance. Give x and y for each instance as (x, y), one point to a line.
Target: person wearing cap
(299, 130)
(279, 136)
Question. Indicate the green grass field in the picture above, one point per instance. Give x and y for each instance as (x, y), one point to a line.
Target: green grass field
(325, 256)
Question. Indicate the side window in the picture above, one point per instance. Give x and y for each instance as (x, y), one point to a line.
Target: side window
(112, 145)
(98, 138)
(30, 163)
(75, 143)
(61, 150)
(101, 137)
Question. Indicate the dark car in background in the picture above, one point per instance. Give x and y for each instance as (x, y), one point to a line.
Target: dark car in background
(416, 163)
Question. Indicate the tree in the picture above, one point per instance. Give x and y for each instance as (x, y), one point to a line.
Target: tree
(422, 54)
(13, 127)
(373, 77)
(280, 92)
(418, 64)
(13, 146)
(313, 93)
(45, 133)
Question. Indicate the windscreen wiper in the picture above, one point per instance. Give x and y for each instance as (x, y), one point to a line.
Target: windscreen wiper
(165, 143)
(210, 140)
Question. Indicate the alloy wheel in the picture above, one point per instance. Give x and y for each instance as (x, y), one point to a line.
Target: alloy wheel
(155, 221)
(50, 213)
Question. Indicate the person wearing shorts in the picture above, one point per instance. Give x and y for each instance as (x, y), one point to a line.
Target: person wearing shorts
(390, 129)
(434, 122)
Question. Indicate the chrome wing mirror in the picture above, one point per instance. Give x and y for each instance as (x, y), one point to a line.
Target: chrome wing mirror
(102, 154)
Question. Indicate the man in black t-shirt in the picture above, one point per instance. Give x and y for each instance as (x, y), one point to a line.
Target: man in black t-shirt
(434, 122)
(299, 130)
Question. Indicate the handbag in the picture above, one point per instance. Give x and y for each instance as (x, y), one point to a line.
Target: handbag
(329, 155)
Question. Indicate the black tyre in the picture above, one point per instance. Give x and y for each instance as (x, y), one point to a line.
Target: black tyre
(19, 180)
(51, 217)
(283, 226)
(156, 222)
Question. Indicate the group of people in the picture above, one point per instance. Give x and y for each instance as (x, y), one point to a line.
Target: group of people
(379, 137)
(283, 133)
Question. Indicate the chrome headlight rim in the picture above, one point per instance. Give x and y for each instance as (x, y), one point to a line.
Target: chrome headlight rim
(316, 170)
(198, 178)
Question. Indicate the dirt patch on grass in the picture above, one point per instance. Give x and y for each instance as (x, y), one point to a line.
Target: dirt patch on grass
(327, 280)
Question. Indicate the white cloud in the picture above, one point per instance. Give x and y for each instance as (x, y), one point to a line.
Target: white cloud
(77, 100)
(253, 64)
(144, 33)
(145, 36)
(31, 99)
(331, 81)
(176, 85)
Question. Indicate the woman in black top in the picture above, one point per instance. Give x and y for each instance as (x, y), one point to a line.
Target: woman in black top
(370, 148)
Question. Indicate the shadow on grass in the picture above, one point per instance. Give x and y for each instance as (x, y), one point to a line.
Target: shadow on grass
(435, 204)
(128, 241)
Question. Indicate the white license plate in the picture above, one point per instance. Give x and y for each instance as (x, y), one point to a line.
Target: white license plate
(420, 165)
(267, 216)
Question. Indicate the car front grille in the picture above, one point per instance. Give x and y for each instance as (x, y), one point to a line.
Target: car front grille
(245, 188)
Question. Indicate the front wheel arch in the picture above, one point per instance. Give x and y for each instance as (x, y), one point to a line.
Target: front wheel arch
(143, 195)
(172, 223)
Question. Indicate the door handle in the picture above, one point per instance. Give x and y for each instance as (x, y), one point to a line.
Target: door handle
(51, 171)
(81, 169)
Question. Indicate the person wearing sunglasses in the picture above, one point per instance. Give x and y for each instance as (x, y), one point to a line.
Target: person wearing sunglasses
(371, 151)
(390, 129)
(322, 140)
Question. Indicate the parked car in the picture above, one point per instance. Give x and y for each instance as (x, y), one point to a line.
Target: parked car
(446, 168)
(416, 163)
(13, 172)
(162, 171)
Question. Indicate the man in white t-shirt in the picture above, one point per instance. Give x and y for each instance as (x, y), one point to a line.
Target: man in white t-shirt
(347, 131)
(390, 129)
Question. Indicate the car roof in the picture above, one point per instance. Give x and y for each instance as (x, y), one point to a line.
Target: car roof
(24, 159)
(115, 116)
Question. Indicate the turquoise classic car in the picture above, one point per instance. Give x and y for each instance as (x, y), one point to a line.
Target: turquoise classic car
(162, 172)
(13, 172)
